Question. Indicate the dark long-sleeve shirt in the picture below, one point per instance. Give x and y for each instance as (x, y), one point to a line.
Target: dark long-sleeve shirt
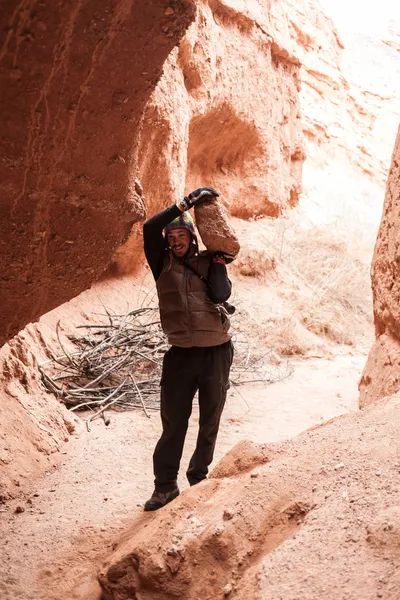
(219, 287)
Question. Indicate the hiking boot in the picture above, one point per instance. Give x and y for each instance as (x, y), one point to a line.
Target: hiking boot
(160, 499)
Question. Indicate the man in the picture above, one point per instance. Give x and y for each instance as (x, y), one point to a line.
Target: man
(191, 287)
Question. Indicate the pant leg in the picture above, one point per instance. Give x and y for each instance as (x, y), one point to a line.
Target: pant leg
(179, 384)
(213, 387)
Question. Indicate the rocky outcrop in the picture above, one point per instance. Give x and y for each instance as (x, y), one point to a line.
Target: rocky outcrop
(34, 425)
(75, 79)
(315, 517)
(227, 112)
(251, 91)
(381, 375)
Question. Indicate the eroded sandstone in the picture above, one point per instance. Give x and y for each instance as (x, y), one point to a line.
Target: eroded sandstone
(306, 518)
(75, 79)
(226, 112)
(381, 376)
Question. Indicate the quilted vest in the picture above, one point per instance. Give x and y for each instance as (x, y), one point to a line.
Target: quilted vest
(188, 317)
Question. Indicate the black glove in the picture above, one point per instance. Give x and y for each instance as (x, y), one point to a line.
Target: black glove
(227, 258)
(200, 195)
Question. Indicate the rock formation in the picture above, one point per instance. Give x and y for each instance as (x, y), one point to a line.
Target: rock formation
(350, 90)
(206, 122)
(315, 517)
(226, 112)
(75, 80)
(381, 375)
(34, 425)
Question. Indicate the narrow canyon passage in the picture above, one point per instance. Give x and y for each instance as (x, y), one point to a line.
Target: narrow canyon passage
(54, 547)
(117, 111)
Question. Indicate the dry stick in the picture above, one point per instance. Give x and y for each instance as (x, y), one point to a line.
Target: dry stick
(107, 372)
(99, 412)
(62, 347)
(74, 400)
(95, 327)
(78, 406)
(241, 395)
(146, 381)
(109, 316)
(57, 359)
(49, 383)
(79, 391)
(140, 395)
(105, 419)
(147, 358)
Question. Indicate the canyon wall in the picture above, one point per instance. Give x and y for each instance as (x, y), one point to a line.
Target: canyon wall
(350, 92)
(225, 113)
(381, 375)
(227, 110)
(252, 90)
(75, 80)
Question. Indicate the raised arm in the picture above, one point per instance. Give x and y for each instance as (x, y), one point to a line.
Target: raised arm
(153, 239)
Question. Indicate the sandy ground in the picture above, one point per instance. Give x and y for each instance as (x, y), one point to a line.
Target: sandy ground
(52, 549)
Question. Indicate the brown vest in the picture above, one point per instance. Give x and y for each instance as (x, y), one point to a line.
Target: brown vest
(188, 317)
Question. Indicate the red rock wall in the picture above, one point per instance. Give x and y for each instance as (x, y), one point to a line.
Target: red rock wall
(227, 112)
(254, 88)
(74, 81)
(381, 375)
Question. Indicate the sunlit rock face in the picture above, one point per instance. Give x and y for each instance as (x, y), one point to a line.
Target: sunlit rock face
(227, 112)
(350, 101)
(252, 90)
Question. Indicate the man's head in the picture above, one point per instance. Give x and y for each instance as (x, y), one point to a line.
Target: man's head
(179, 241)
(179, 234)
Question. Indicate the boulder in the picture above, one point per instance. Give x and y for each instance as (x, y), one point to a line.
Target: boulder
(217, 234)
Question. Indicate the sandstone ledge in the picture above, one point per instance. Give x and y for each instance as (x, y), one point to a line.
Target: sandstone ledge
(307, 523)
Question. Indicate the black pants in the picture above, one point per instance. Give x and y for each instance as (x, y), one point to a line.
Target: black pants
(186, 370)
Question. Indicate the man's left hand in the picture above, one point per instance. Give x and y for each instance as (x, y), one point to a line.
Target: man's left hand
(200, 195)
(224, 258)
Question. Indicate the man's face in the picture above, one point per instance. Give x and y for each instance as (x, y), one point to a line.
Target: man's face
(179, 241)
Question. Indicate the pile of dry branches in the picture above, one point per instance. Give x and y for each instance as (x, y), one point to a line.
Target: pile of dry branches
(118, 364)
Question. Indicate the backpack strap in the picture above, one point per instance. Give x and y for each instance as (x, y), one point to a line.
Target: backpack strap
(230, 308)
(185, 264)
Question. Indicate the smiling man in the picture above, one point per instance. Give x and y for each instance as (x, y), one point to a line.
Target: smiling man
(192, 288)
